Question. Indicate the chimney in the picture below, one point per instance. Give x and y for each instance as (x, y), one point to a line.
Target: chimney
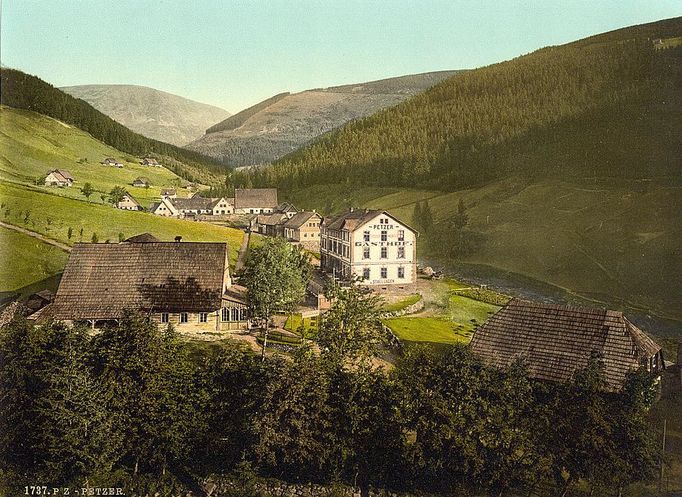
(178, 238)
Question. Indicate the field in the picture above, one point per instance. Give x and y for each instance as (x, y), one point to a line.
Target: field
(33, 144)
(52, 216)
(427, 329)
(610, 241)
(26, 260)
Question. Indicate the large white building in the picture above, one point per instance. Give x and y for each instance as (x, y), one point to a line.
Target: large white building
(370, 245)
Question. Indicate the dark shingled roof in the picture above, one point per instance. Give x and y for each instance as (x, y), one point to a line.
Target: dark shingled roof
(299, 219)
(66, 174)
(555, 341)
(142, 238)
(272, 219)
(245, 198)
(100, 281)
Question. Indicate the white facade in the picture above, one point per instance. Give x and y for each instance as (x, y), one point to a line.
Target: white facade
(223, 206)
(375, 248)
(128, 203)
(166, 209)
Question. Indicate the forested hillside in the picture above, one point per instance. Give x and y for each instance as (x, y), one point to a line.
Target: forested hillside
(609, 105)
(24, 91)
(285, 122)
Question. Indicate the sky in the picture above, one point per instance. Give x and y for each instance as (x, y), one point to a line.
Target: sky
(234, 54)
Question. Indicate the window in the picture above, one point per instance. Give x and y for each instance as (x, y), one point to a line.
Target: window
(365, 236)
(184, 317)
(365, 273)
(384, 272)
(225, 314)
(401, 235)
(384, 236)
(365, 253)
(203, 317)
(401, 272)
(164, 317)
(401, 252)
(384, 252)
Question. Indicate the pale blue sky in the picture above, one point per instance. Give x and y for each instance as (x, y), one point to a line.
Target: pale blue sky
(236, 53)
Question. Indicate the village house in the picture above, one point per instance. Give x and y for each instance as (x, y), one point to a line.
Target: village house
(110, 161)
(255, 200)
(286, 208)
(168, 192)
(186, 284)
(191, 207)
(150, 161)
(555, 341)
(369, 245)
(142, 182)
(271, 224)
(128, 203)
(304, 229)
(59, 177)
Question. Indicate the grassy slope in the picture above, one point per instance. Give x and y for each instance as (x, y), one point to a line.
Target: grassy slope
(614, 241)
(33, 144)
(105, 221)
(26, 260)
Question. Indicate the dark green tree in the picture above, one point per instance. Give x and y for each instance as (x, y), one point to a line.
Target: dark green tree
(116, 194)
(87, 190)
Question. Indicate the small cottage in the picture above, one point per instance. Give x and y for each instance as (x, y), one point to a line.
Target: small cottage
(168, 193)
(304, 229)
(150, 161)
(110, 161)
(59, 177)
(128, 203)
(555, 341)
(142, 182)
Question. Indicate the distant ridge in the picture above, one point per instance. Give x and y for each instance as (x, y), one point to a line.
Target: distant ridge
(285, 122)
(153, 113)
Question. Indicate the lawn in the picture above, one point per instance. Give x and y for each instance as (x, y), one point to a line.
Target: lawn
(33, 144)
(26, 260)
(402, 304)
(427, 329)
(295, 321)
(469, 313)
(52, 216)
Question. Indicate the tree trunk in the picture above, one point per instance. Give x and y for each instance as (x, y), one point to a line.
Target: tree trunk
(136, 465)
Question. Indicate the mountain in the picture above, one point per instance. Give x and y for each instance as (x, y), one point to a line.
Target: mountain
(24, 91)
(152, 113)
(567, 161)
(285, 122)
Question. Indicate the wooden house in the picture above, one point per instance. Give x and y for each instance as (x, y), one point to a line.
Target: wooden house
(271, 224)
(184, 284)
(304, 229)
(128, 203)
(142, 182)
(255, 200)
(554, 341)
(59, 177)
(287, 208)
(110, 161)
(150, 161)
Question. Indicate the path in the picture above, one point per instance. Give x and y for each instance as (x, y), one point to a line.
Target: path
(242, 251)
(40, 237)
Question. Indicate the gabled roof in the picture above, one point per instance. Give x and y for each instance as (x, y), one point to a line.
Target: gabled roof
(286, 207)
(100, 281)
(62, 174)
(194, 203)
(245, 198)
(300, 218)
(142, 179)
(353, 219)
(131, 198)
(555, 341)
(168, 191)
(142, 238)
(272, 219)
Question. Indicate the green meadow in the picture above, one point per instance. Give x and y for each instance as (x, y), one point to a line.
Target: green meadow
(26, 260)
(52, 216)
(33, 144)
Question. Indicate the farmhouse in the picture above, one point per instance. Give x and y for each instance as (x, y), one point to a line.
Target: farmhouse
(191, 207)
(184, 284)
(304, 229)
(128, 203)
(150, 161)
(168, 192)
(255, 200)
(110, 161)
(286, 208)
(59, 177)
(271, 224)
(555, 341)
(371, 245)
(142, 182)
